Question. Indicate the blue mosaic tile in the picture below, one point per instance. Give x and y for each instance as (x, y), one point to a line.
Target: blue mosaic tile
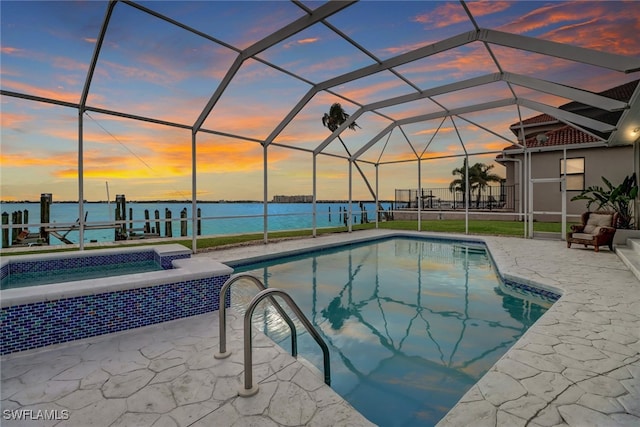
(88, 261)
(527, 290)
(52, 267)
(29, 326)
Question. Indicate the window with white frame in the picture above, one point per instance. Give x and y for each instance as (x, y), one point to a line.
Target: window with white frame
(574, 171)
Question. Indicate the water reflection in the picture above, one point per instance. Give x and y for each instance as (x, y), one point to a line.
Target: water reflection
(411, 324)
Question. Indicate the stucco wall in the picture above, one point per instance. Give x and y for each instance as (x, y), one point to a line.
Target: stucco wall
(614, 163)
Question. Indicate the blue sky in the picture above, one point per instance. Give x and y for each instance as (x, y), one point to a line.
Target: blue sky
(152, 68)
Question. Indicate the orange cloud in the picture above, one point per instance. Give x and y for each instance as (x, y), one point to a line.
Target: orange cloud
(14, 121)
(482, 8)
(452, 13)
(373, 89)
(7, 50)
(448, 14)
(73, 97)
(596, 25)
(455, 63)
(549, 15)
(308, 40)
(397, 50)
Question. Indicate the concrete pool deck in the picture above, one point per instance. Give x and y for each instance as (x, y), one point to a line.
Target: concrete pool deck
(579, 365)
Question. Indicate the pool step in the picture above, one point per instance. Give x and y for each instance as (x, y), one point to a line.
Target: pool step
(630, 255)
(470, 248)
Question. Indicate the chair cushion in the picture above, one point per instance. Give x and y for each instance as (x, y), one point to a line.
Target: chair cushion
(583, 236)
(597, 220)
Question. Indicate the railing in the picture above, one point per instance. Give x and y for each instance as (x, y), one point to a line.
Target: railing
(488, 198)
(249, 388)
(223, 352)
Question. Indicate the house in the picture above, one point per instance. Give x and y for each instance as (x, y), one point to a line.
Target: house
(589, 155)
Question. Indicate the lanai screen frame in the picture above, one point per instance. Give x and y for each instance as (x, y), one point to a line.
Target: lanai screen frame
(618, 134)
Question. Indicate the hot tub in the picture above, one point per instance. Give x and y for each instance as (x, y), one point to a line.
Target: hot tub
(41, 315)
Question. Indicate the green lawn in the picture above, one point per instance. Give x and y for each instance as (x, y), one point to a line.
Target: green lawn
(478, 227)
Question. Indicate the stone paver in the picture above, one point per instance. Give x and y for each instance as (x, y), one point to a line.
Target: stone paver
(578, 359)
(167, 381)
(578, 365)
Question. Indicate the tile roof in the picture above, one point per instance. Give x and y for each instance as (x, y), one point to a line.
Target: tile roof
(565, 134)
(539, 119)
(562, 136)
(620, 93)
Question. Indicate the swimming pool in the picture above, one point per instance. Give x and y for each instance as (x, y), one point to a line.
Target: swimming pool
(411, 323)
(72, 274)
(36, 315)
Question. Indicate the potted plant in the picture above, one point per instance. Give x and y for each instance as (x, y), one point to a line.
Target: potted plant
(619, 198)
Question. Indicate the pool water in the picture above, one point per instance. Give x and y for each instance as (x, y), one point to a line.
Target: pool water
(20, 280)
(411, 324)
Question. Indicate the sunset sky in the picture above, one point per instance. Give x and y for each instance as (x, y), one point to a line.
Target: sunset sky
(151, 68)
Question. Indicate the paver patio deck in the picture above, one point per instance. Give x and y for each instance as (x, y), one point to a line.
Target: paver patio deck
(579, 365)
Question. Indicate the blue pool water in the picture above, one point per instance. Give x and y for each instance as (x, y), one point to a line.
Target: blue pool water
(25, 279)
(411, 324)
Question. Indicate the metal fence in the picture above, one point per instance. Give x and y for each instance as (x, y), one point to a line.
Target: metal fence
(490, 198)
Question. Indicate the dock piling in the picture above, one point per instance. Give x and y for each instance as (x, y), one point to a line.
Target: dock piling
(5, 231)
(199, 222)
(183, 222)
(168, 232)
(147, 224)
(45, 215)
(157, 217)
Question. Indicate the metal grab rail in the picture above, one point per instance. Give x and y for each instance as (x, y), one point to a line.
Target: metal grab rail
(249, 388)
(223, 353)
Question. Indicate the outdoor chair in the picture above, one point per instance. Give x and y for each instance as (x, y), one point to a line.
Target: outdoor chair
(597, 229)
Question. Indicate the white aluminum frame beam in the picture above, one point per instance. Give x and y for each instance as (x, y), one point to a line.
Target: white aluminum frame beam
(624, 64)
(567, 116)
(629, 120)
(322, 12)
(573, 53)
(440, 90)
(431, 116)
(414, 55)
(568, 92)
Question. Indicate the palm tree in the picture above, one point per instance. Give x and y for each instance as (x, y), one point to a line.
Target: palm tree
(333, 120)
(460, 183)
(481, 178)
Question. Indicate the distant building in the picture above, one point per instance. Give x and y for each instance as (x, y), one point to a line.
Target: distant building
(587, 159)
(292, 199)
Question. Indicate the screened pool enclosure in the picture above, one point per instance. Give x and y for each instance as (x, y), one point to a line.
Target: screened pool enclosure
(231, 100)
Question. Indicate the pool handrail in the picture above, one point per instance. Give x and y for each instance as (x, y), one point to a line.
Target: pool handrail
(249, 389)
(223, 352)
